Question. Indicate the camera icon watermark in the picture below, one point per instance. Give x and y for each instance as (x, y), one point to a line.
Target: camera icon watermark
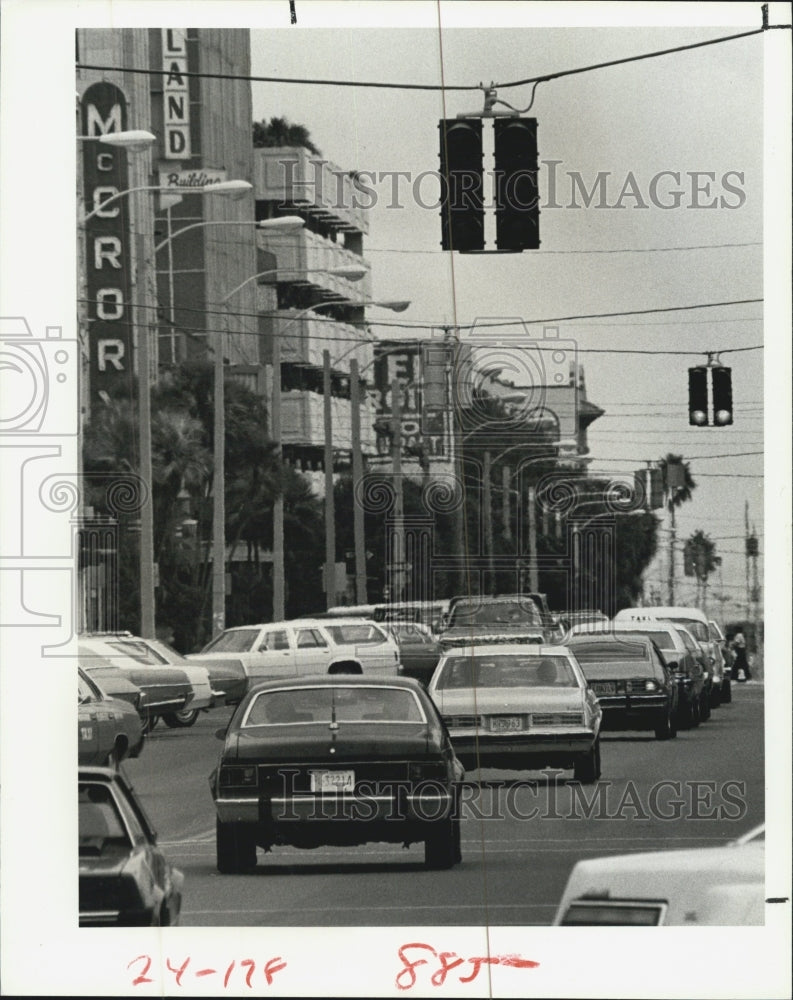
(37, 380)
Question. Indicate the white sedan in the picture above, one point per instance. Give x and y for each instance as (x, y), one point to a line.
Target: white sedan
(702, 886)
(519, 707)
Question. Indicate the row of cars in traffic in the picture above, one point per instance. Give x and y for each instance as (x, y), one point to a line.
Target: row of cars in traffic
(333, 743)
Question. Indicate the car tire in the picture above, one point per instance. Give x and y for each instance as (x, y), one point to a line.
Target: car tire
(664, 727)
(440, 847)
(726, 691)
(704, 706)
(235, 848)
(117, 754)
(181, 720)
(586, 767)
(685, 716)
(695, 713)
(149, 722)
(715, 696)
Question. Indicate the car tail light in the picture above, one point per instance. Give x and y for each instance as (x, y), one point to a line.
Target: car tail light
(643, 684)
(462, 721)
(238, 777)
(557, 719)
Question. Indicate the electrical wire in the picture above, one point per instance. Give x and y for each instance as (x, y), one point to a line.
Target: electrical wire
(434, 88)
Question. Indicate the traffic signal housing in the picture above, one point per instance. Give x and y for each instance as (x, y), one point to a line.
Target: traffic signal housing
(517, 192)
(698, 396)
(462, 183)
(722, 395)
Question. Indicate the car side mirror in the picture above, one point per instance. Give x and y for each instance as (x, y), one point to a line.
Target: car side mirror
(220, 734)
(673, 665)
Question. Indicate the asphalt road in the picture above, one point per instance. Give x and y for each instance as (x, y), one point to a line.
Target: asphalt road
(521, 832)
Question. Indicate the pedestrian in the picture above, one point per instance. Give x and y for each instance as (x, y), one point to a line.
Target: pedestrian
(741, 663)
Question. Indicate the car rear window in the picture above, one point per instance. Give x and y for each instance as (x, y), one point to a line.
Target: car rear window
(333, 704)
(501, 612)
(99, 822)
(459, 672)
(663, 640)
(240, 640)
(354, 635)
(139, 651)
(614, 652)
(698, 629)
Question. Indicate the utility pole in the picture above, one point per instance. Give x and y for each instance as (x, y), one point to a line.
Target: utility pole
(534, 583)
(279, 582)
(357, 477)
(506, 480)
(219, 481)
(330, 511)
(147, 613)
(398, 547)
(456, 446)
(488, 519)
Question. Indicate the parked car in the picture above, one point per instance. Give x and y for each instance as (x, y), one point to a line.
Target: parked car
(124, 878)
(519, 707)
(504, 618)
(697, 624)
(167, 689)
(717, 636)
(428, 613)
(567, 619)
(342, 760)
(306, 646)
(681, 654)
(419, 649)
(702, 886)
(635, 688)
(108, 729)
(210, 681)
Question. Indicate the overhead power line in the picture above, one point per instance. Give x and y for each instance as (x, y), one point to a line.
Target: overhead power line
(433, 87)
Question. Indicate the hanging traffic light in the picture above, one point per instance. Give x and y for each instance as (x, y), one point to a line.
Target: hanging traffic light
(517, 193)
(462, 201)
(722, 395)
(698, 396)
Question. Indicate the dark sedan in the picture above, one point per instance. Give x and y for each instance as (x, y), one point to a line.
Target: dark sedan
(635, 688)
(125, 879)
(336, 760)
(419, 650)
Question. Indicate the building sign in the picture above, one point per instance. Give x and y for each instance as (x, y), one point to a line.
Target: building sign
(175, 95)
(403, 362)
(184, 181)
(107, 265)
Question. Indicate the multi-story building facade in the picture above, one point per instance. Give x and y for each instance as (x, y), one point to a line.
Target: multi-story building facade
(307, 310)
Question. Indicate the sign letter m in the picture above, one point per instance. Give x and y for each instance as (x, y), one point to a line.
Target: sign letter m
(97, 126)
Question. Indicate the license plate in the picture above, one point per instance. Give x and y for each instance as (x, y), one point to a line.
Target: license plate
(506, 723)
(332, 781)
(604, 687)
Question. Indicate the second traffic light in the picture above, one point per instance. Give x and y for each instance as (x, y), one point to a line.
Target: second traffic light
(714, 381)
(462, 202)
(517, 194)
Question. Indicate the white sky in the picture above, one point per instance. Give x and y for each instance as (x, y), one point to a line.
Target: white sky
(693, 111)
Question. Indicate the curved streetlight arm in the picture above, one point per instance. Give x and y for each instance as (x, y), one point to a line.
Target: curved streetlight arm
(260, 224)
(120, 194)
(232, 188)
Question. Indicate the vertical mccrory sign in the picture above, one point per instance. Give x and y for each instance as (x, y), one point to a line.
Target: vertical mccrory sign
(176, 99)
(108, 279)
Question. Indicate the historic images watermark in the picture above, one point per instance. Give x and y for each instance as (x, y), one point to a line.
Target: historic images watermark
(524, 800)
(559, 187)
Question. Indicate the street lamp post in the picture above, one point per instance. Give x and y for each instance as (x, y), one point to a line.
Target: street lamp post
(351, 273)
(234, 188)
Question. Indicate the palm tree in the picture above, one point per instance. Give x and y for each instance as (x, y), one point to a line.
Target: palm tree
(679, 486)
(703, 556)
(282, 132)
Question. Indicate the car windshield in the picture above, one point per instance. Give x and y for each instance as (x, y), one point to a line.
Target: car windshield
(496, 612)
(238, 640)
(506, 671)
(698, 629)
(353, 635)
(333, 704)
(99, 823)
